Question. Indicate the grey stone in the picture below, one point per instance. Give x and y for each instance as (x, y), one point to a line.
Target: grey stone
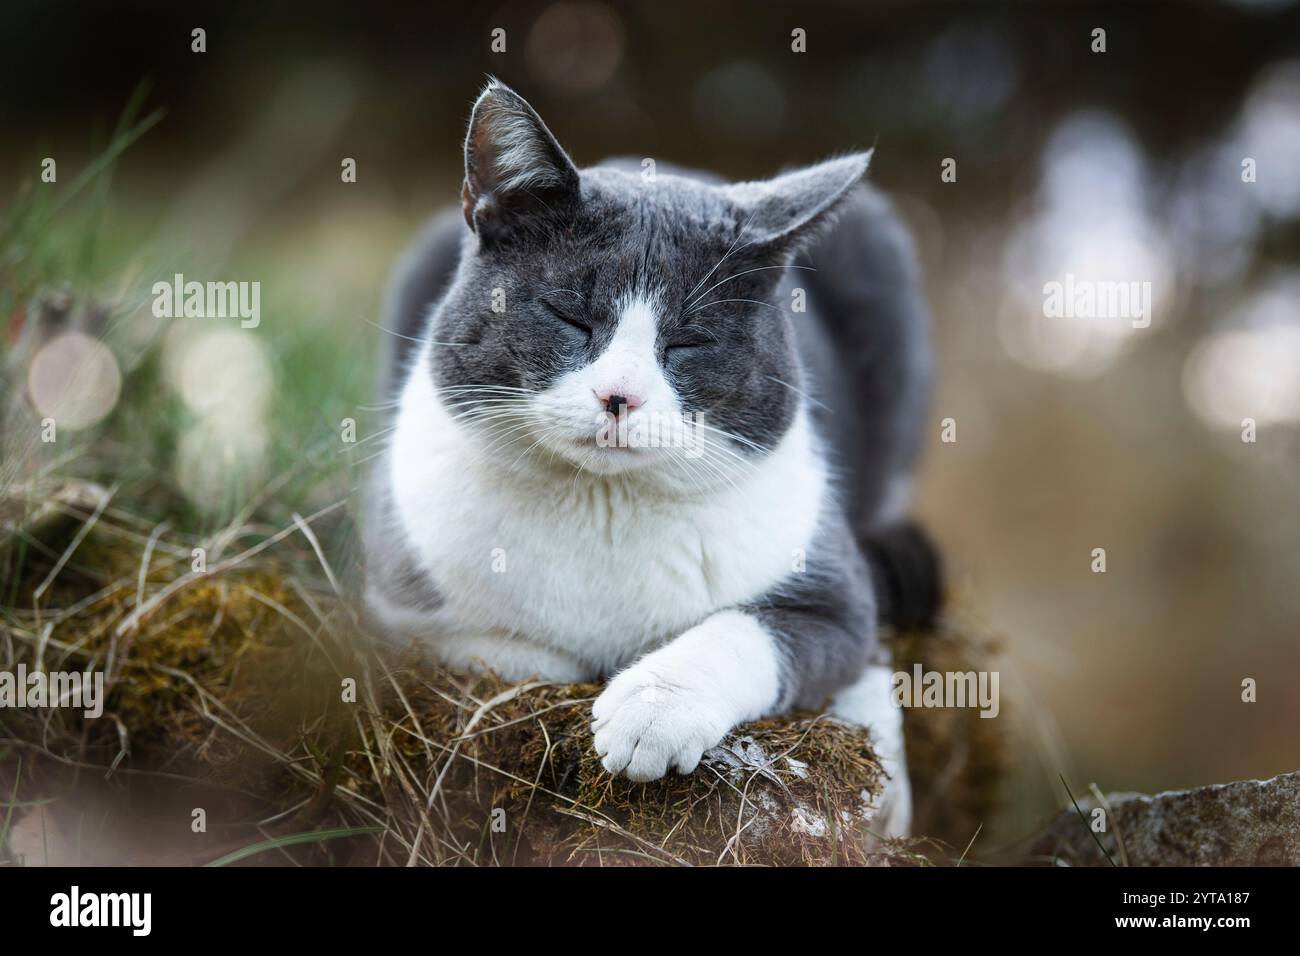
(1245, 823)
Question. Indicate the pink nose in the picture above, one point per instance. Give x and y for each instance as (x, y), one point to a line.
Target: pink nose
(618, 402)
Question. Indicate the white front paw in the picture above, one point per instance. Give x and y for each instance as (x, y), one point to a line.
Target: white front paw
(646, 722)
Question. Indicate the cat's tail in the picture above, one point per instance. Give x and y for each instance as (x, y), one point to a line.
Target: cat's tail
(908, 574)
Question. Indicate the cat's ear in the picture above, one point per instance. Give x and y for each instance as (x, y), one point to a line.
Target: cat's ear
(514, 168)
(783, 210)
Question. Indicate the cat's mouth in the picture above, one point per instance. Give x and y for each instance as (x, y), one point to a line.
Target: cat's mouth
(596, 454)
(588, 442)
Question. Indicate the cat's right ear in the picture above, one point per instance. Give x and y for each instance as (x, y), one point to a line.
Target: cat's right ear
(516, 174)
(784, 211)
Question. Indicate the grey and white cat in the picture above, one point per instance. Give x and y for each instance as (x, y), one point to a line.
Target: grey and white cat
(624, 451)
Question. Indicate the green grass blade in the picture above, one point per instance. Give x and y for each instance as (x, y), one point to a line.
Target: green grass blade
(295, 839)
(1079, 811)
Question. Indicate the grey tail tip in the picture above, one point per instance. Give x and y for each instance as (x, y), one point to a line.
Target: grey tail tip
(907, 570)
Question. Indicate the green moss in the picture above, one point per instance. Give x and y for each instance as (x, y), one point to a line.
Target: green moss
(242, 680)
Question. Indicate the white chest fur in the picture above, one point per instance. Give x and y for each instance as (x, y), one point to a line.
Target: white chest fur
(591, 570)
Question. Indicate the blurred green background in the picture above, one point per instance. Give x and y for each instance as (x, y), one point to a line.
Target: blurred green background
(1072, 434)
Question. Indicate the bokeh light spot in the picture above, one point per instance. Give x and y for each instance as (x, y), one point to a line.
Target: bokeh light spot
(75, 380)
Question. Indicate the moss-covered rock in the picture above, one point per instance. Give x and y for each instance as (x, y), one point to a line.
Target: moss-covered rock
(248, 680)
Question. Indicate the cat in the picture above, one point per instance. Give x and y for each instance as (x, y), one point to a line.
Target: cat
(657, 430)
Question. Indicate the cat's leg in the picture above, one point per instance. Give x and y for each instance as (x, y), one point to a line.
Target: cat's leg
(675, 703)
(869, 703)
(806, 640)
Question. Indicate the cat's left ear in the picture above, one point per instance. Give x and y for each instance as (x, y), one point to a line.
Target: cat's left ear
(515, 171)
(783, 210)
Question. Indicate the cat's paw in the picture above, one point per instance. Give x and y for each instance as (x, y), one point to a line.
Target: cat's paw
(646, 722)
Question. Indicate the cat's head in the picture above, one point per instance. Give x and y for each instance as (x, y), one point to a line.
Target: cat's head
(620, 320)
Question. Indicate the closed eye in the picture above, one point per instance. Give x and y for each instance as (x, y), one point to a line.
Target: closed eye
(567, 319)
(677, 346)
(691, 337)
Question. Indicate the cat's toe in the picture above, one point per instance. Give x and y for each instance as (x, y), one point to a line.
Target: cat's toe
(646, 729)
(615, 692)
(649, 762)
(654, 758)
